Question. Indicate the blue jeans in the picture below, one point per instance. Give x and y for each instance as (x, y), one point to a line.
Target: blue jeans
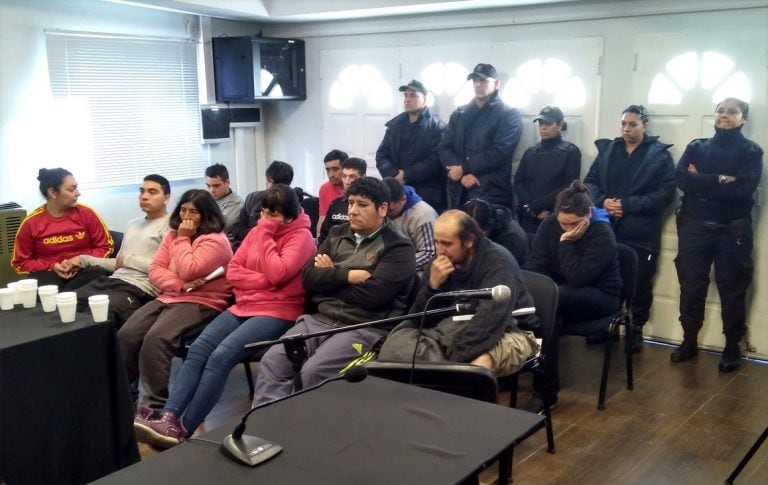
(211, 357)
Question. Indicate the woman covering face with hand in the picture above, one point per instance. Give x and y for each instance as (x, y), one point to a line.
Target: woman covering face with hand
(266, 278)
(575, 247)
(193, 248)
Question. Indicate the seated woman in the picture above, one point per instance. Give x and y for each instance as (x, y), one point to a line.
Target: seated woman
(58, 230)
(266, 276)
(497, 224)
(194, 247)
(576, 248)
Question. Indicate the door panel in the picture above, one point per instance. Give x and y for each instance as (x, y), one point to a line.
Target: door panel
(692, 117)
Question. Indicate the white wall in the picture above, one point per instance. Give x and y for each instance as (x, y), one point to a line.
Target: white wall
(24, 92)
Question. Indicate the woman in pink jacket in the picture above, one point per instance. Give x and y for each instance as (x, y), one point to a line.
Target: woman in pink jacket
(193, 248)
(266, 275)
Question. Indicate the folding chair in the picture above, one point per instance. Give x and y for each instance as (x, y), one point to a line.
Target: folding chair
(611, 324)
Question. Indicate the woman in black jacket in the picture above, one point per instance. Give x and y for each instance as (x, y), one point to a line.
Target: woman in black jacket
(633, 179)
(576, 248)
(545, 169)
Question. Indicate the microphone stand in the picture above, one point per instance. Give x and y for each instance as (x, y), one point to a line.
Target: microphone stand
(296, 350)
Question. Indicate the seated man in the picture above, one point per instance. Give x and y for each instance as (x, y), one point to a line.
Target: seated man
(218, 184)
(277, 173)
(492, 337)
(362, 272)
(351, 169)
(414, 218)
(129, 287)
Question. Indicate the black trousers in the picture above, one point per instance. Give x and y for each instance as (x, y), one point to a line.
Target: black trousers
(729, 247)
(647, 263)
(80, 279)
(124, 298)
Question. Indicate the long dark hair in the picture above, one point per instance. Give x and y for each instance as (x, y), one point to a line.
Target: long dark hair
(51, 178)
(211, 219)
(576, 199)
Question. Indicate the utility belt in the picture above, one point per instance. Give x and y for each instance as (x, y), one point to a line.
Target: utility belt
(739, 228)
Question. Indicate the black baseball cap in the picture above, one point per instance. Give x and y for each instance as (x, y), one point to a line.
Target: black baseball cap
(414, 85)
(483, 71)
(550, 114)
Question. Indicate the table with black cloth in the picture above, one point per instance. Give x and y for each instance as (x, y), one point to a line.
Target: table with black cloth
(66, 414)
(375, 432)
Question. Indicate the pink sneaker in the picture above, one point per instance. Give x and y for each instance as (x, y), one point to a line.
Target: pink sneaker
(163, 433)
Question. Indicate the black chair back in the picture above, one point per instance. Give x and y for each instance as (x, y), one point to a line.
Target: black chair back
(460, 379)
(117, 241)
(545, 295)
(311, 206)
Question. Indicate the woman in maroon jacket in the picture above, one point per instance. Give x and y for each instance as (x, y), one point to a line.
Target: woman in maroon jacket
(193, 248)
(266, 275)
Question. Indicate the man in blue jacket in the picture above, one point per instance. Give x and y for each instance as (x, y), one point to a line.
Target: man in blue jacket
(408, 151)
(479, 142)
(633, 178)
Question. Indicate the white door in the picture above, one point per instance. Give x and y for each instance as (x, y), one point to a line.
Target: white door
(678, 75)
(359, 92)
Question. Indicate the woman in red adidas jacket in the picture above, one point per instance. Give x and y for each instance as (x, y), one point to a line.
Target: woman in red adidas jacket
(58, 230)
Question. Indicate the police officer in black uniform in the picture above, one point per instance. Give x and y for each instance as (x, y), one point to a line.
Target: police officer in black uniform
(718, 177)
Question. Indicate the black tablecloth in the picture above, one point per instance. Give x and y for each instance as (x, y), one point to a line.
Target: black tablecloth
(65, 406)
(372, 432)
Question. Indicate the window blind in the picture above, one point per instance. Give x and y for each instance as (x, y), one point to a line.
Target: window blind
(133, 104)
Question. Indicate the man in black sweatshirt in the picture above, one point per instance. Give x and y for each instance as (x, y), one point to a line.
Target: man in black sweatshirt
(492, 337)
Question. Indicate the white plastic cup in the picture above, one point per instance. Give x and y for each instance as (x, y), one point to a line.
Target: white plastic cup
(16, 297)
(28, 296)
(27, 292)
(66, 302)
(27, 283)
(7, 297)
(99, 307)
(47, 296)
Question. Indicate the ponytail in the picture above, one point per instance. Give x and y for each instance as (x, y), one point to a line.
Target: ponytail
(576, 199)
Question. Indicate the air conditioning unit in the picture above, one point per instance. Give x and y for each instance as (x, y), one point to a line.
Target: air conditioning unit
(10, 220)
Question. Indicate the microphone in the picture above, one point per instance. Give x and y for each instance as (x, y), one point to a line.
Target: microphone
(497, 293)
(250, 450)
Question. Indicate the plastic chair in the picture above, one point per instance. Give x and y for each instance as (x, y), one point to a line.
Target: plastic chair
(545, 295)
(611, 324)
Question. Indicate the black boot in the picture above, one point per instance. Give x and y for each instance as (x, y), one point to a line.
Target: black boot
(731, 358)
(685, 351)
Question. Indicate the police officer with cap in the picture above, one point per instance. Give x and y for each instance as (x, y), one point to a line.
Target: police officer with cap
(479, 142)
(408, 151)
